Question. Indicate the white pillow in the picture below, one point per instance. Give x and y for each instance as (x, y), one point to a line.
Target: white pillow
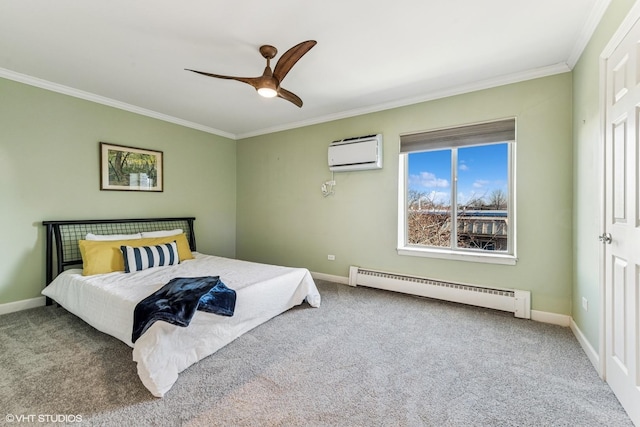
(103, 237)
(162, 233)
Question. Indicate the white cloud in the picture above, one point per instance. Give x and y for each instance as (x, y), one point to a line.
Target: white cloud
(428, 180)
(480, 183)
(463, 167)
(439, 197)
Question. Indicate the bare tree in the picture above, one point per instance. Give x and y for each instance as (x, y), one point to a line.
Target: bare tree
(474, 202)
(419, 200)
(428, 222)
(497, 199)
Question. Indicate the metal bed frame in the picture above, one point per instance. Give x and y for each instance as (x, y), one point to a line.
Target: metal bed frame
(62, 237)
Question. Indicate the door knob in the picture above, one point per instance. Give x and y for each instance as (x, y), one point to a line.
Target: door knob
(605, 238)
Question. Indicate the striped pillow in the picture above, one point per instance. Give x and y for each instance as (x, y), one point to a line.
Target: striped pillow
(143, 257)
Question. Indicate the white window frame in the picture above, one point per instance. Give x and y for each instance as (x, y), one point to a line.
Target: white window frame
(459, 254)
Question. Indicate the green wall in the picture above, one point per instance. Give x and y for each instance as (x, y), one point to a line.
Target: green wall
(259, 198)
(283, 218)
(587, 173)
(49, 169)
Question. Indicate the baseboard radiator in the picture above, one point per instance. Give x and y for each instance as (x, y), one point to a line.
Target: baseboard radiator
(511, 300)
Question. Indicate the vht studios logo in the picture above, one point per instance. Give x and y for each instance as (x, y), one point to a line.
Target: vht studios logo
(43, 418)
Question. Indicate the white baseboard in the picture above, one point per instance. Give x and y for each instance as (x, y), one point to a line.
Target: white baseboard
(591, 353)
(26, 304)
(330, 277)
(553, 318)
(538, 316)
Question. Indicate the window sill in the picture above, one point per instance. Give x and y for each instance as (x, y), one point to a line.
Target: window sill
(458, 256)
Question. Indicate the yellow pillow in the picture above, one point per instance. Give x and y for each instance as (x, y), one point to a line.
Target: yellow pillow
(99, 257)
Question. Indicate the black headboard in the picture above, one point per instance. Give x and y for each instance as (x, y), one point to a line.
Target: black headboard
(62, 236)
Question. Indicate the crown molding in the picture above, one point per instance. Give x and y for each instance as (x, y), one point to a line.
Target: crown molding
(595, 16)
(76, 93)
(458, 90)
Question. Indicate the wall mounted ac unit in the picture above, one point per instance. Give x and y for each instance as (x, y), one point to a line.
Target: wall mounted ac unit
(358, 153)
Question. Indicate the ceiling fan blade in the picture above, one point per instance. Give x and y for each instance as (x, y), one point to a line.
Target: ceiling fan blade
(289, 96)
(290, 57)
(253, 81)
(270, 81)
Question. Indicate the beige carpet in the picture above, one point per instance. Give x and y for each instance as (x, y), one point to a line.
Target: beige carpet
(365, 358)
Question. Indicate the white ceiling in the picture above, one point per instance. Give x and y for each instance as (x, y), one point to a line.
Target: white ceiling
(370, 55)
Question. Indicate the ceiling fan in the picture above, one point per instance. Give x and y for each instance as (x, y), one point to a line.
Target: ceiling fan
(268, 84)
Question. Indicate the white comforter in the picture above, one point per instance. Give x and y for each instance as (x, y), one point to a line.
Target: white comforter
(107, 302)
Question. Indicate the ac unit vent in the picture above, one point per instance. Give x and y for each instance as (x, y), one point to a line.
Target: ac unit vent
(356, 153)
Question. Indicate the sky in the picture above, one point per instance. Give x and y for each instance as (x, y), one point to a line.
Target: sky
(481, 170)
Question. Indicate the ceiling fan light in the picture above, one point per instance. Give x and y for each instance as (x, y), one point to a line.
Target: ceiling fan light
(267, 92)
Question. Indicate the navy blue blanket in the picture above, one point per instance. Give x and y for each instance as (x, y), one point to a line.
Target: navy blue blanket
(177, 302)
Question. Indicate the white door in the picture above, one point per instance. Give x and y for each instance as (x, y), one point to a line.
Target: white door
(622, 223)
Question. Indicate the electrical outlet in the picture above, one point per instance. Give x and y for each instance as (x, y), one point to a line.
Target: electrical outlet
(331, 257)
(585, 304)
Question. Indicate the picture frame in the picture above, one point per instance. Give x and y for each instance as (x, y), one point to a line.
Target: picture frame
(125, 168)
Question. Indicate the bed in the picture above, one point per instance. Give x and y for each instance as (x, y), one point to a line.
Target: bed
(106, 300)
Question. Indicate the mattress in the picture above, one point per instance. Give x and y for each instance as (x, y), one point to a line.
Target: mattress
(107, 302)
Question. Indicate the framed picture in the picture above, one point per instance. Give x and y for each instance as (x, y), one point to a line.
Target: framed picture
(130, 169)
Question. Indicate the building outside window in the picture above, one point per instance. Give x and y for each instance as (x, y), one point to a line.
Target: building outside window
(456, 193)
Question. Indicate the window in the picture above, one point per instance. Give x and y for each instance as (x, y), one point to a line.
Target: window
(456, 196)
